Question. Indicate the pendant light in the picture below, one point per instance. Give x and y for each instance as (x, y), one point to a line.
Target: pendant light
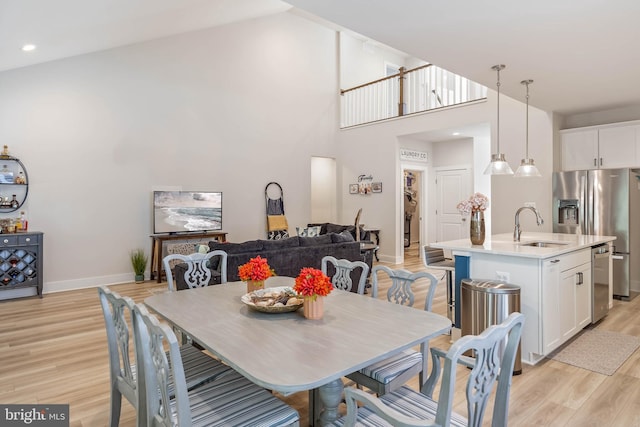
(527, 166)
(498, 165)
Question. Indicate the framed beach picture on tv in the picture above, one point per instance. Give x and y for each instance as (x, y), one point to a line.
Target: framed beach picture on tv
(186, 211)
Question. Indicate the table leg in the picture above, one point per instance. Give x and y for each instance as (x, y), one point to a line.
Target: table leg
(314, 407)
(153, 258)
(330, 397)
(159, 260)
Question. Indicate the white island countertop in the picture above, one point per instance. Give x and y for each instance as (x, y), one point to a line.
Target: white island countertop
(503, 244)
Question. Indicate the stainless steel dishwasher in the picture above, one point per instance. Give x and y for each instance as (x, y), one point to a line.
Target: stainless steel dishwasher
(600, 280)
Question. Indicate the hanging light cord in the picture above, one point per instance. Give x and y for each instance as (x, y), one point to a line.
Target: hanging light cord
(498, 115)
(527, 83)
(527, 122)
(498, 68)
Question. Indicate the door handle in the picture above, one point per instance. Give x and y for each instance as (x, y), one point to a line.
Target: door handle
(580, 278)
(617, 257)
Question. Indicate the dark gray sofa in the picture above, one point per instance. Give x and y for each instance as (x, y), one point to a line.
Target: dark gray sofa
(286, 256)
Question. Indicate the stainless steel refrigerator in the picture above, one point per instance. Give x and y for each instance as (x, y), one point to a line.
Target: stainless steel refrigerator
(603, 202)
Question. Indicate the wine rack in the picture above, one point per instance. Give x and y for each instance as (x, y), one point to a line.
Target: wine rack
(21, 264)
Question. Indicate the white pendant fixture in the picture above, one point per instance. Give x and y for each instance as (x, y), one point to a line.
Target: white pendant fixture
(498, 165)
(527, 168)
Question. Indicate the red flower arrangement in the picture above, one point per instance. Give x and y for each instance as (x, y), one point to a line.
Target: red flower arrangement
(256, 269)
(312, 282)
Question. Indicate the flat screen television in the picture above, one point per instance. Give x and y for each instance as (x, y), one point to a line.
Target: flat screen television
(186, 211)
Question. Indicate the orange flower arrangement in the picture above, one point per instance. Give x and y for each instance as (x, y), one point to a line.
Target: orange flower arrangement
(312, 282)
(256, 269)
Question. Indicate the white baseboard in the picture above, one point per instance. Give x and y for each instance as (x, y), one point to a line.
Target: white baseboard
(86, 282)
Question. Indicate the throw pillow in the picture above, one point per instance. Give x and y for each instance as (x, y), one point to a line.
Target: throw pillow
(202, 249)
(343, 237)
(308, 231)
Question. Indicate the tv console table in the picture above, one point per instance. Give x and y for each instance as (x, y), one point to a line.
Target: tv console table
(157, 243)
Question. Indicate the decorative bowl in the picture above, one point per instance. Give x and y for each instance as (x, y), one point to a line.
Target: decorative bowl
(264, 293)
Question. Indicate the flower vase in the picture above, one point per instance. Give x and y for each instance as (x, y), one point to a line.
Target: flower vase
(313, 307)
(254, 285)
(476, 232)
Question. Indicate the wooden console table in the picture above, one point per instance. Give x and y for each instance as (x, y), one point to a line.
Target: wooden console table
(157, 242)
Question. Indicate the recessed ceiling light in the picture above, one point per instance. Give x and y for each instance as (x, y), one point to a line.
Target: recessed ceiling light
(28, 47)
(456, 133)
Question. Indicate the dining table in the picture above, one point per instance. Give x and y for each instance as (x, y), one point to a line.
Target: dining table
(287, 353)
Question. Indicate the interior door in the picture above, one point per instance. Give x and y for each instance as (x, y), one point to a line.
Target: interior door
(452, 186)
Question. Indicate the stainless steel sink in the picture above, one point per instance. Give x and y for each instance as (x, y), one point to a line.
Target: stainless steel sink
(544, 244)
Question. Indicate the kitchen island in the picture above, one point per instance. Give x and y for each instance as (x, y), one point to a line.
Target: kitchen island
(554, 273)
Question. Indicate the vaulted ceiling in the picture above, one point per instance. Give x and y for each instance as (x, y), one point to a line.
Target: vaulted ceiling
(582, 55)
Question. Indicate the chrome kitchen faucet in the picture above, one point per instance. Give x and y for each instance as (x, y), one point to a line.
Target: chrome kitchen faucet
(517, 231)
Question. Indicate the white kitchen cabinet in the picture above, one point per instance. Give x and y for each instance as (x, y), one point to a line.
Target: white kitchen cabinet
(600, 147)
(579, 149)
(566, 297)
(583, 296)
(551, 305)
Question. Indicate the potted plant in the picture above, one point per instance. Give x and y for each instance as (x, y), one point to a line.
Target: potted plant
(139, 263)
(313, 285)
(255, 272)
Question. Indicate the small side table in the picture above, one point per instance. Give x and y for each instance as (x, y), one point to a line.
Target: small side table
(375, 232)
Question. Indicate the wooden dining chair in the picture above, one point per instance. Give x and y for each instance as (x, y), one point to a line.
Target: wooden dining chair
(492, 365)
(394, 371)
(117, 311)
(199, 268)
(231, 400)
(343, 271)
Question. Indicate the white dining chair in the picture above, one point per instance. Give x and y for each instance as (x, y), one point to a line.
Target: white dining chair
(117, 311)
(495, 349)
(394, 371)
(344, 269)
(198, 268)
(231, 400)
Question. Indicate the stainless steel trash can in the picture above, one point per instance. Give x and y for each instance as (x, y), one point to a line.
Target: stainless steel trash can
(488, 302)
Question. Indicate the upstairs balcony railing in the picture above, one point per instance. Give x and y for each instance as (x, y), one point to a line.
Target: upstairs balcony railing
(417, 90)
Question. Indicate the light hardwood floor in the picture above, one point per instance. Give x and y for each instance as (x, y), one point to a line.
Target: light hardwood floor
(53, 350)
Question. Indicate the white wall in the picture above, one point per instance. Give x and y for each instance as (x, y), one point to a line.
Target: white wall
(323, 190)
(614, 115)
(230, 109)
(509, 193)
(362, 62)
(373, 150)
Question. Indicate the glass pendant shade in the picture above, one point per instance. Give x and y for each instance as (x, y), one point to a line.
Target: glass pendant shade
(527, 169)
(498, 165)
